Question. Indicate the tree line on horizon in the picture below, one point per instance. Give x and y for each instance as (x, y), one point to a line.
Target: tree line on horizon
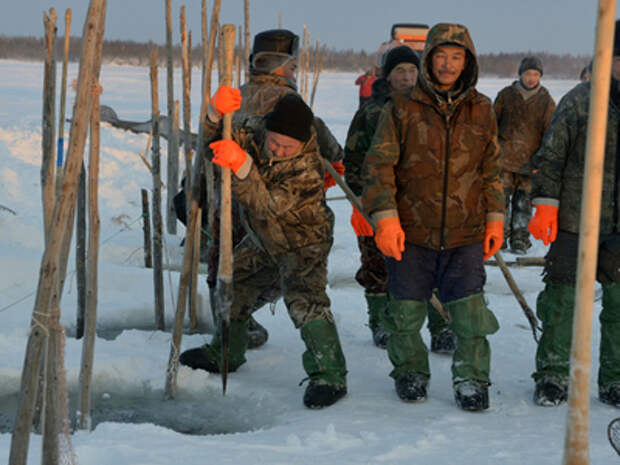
(128, 52)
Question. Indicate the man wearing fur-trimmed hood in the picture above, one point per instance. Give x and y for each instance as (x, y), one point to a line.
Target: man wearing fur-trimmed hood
(432, 183)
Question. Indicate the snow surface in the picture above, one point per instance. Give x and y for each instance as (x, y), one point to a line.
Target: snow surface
(262, 418)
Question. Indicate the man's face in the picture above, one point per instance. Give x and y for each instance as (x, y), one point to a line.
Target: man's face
(282, 145)
(403, 76)
(615, 68)
(288, 69)
(448, 63)
(530, 78)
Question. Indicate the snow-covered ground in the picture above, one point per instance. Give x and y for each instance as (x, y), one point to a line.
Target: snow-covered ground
(262, 418)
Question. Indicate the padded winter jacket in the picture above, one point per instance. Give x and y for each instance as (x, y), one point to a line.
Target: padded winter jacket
(434, 159)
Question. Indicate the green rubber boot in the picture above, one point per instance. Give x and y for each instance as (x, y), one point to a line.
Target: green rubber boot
(324, 363)
(208, 356)
(609, 371)
(377, 305)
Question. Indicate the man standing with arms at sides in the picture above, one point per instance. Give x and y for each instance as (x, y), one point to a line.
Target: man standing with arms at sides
(399, 74)
(557, 189)
(432, 183)
(523, 111)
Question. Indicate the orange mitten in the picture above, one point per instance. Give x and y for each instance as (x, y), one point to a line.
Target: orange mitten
(226, 100)
(228, 154)
(493, 238)
(329, 181)
(544, 224)
(360, 225)
(390, 237)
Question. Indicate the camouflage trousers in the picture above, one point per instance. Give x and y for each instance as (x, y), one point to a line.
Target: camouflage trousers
(517, 189)
(372, 275)
(299, 276)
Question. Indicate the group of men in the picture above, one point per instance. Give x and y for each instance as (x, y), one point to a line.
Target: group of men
(446, 178)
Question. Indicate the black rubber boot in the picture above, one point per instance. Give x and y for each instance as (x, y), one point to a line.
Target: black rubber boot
(471, 396)
(411, 388)
(443, 342)
(610, 395)
(257, 334)
(320, 394)
(550, 392)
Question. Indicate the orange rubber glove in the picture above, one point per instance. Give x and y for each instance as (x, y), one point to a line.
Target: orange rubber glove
(329, 181)
(390, 237)
(360, 225)
(226, 100)
(493, 238)
(228, 154)
(544, 224)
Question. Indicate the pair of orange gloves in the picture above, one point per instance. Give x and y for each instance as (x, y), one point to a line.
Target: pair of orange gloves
(227, 153)
(390, 237)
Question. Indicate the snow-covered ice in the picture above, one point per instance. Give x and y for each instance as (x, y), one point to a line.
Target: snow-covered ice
(262, 418)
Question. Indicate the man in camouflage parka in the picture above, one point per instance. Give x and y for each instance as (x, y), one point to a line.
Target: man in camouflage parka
(273, 66)
(559, 167)
(279, 181)
(432, 183)
(398, 74)
(523, 112)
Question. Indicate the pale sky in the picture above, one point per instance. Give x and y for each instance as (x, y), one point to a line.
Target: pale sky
(555, 26)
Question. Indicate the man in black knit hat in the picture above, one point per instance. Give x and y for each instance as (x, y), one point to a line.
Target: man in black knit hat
(557, 183)
(279, 182)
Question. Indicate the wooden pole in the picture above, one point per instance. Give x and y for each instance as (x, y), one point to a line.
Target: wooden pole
(317, 71)
(302, 64)
(173, 132)
(84, 420)
(192, 223)
(48, 129)
(50, 265)
(246, 16)
(80, 253)
(279, 20)
(63, 99)
(205, 43)
(238, 60)
(215, 17)
(576, 448)
(158, 277)
(146, 228)
(186, 108)
(224, 287)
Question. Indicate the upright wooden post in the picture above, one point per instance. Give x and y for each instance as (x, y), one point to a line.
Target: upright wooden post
(576, 449)
(186, 107)
(192, 223)
(158, 277)
(238, 60)
(63, 99)
(246, 61)
(50, 266)
(88, 347)
(318, 67)
(205, 42)
(146, 228)
(224, 286)
(173, 133)
(47, 133)
(80, 253)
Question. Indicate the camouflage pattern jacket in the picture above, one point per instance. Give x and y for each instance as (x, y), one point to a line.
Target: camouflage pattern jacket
(521, 125)
(559, 163)
(283, 198)
(360, 134)
(434, 158)
(260, 95)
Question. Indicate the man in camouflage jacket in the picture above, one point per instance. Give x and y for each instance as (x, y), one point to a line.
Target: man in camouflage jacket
(398, 74)
(523, 111)
(559, 167)
(273, 67)
(279, 182)
(431, 181)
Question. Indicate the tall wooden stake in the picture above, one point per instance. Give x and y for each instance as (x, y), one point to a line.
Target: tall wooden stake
(224, 287)
(246, 59)
(88, 347)
(63, 99)
(173, 133)
(318, 67)
(50, 265)
(186, 107)
(192, 224)
(158, 277)
(80, 253)
(576, 449)
(146, 228)
(47, 139)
